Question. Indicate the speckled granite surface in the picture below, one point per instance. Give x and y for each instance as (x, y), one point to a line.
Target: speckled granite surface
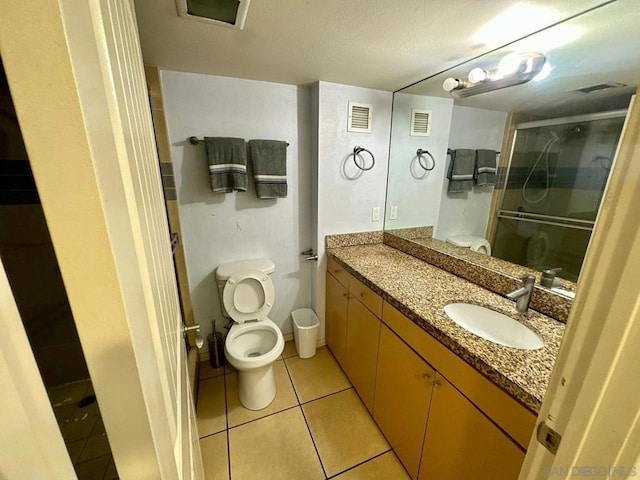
(492, 273)
(350, 239)
(421, 291)
(412, 233)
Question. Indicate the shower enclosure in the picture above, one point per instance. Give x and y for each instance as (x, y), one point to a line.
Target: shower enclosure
(553, 188)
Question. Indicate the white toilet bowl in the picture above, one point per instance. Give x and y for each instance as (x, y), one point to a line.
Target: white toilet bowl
(254, 342)
(252, 348)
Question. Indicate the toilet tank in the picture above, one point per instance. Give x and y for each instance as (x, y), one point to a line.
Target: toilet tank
(224, 271)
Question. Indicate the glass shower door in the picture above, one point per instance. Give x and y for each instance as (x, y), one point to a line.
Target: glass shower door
(553, 190)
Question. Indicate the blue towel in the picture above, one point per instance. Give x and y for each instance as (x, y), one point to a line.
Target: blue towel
(227, 164)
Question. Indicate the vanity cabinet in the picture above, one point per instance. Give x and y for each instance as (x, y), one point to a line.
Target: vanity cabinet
(403, 394)
(461, 442)
(353, 329)
(363, 332)
(442, 417)
(336, 318)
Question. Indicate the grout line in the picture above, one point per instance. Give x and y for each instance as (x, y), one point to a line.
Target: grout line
(313, 441)
(362, 463)
(265, 416)
(328, 395)
(226, 416)
(315, 447)
(295, 392)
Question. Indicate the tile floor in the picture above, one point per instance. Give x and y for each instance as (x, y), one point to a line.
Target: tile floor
(83, 431)
(316, 428)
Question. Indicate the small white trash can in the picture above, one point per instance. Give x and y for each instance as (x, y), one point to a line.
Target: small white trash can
(305, 331)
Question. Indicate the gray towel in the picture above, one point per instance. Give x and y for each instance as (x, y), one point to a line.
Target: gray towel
(486, 168)
(227, 164)
(461, 170)
(269, 162)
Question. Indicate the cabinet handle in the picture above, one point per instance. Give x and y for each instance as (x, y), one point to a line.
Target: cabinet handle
(337, 271)
(362, 294)
(426, 376)
(436, 383)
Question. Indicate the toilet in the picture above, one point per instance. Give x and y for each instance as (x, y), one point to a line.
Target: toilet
(477, 244)
(254, 342)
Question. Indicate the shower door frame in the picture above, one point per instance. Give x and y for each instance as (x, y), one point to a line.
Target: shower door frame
(514, 123)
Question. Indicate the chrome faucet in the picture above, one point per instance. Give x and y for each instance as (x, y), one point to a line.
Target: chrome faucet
(522, 296)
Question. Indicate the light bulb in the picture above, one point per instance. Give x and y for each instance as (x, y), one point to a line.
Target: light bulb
(544, 73)
(477, 75)
(451, 84)
(509, 64)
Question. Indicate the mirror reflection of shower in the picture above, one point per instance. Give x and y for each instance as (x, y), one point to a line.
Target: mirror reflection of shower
(555, 183)
(546, 151)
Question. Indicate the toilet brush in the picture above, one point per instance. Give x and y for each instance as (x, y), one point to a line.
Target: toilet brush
(216, 348)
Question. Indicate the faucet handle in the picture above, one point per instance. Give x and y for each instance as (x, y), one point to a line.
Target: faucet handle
(528, 279)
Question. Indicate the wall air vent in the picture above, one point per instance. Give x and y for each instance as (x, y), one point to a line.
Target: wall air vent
(420, 122)
(598, 87)
(226, 13)
(359, 117)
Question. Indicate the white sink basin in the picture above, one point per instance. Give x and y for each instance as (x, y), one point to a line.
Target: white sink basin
(494, 326)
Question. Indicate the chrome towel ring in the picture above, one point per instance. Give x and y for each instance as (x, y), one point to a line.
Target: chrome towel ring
(424, 165)
(357, 151)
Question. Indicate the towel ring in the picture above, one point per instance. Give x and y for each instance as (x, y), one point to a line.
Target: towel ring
(356, 151)
(424, 166)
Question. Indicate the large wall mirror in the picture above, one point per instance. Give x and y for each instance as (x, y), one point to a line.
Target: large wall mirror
(551, 137)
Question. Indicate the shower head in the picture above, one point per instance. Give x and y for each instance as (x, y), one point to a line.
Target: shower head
(574, 131)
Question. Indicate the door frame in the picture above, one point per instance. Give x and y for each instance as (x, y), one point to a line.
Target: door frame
(55, 59)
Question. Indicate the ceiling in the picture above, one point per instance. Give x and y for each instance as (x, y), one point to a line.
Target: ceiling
(581, 52)
(381, 44)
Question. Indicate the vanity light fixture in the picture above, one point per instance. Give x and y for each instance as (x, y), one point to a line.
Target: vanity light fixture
(514, 69)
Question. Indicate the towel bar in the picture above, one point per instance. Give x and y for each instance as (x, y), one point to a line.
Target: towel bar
(424, 166)
(357, 151)
(450, 150)
(196, 141)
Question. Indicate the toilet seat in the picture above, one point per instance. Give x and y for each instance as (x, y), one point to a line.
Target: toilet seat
(248, 295)
(481, 245)
(476, 244)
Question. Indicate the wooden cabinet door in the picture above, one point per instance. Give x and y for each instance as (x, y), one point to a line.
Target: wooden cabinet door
(363, 332)
(461, 442)
(403, 392)
(336, 318)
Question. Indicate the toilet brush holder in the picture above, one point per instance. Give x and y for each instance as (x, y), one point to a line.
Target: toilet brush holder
(216, 348)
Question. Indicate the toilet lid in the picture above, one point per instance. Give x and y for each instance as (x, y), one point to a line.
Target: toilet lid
(248, 295)
(462, 240)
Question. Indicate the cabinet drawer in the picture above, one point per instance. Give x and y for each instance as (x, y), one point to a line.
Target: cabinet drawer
(338, 271)
(367, 297)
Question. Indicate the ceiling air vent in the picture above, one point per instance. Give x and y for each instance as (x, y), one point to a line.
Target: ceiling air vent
(227, 13)
(420, 122)
(359, 118)
(598, 87)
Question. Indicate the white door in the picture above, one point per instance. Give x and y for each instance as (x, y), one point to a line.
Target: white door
(592, 401)
(76, 75)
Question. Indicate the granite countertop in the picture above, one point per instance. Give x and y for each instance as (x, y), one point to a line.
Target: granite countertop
(421, 291)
